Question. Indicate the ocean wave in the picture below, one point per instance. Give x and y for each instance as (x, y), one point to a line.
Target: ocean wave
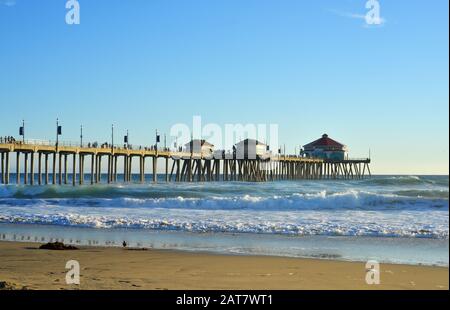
(351, 200)
(409, 186)
(407, 180)
(228, 197)
(354, 223)
(323, 200)
(97, 191)
(398, 206)
(423, 193)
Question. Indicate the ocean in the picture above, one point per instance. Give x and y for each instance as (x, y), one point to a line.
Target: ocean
(395, 219)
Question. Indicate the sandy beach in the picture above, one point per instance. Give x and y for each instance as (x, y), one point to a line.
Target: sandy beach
(23, 265)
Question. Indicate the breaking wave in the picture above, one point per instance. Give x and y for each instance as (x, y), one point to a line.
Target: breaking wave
(394, 206)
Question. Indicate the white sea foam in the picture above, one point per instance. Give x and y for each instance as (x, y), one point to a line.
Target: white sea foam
(304, 222)
(386, 206)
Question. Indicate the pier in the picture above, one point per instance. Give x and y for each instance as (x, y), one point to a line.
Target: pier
(42, 163)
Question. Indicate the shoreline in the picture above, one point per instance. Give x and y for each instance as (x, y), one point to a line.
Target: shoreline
(225, 254)
(23, 265)
(386, 250)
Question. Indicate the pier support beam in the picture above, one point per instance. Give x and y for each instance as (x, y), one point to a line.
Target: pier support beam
(92, 168)
(3, 168)
(54, 169)
(178, 176)
(130, 175)
(109, 169)
(74, 169)
(99, 168)
(167, 169)
(155, 166)
(125, 168)
(60, 172)
(115, 168)
(141, 169)
(112, 168)
(32, 168)
(18, 167)
(25, 169)
(199, 170)
(7, 168)
(96, 169)
(40, 168)
(66, 175)
(81, 168)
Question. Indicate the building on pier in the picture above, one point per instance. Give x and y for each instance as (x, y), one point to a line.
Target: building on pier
(326, 148)
(202, 147)
(251, 149)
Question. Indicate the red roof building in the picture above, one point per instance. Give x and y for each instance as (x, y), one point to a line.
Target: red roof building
(326, 148)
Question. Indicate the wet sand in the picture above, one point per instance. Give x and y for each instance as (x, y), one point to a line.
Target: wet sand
(23, 265)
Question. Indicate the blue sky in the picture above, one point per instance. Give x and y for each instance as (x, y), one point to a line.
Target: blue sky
(310, 66)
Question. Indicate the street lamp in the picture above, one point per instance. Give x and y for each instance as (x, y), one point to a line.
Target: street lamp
(158, 138)
(112, 137)
(81, 136)
(126, 139)
(22, 131)
(58, 132)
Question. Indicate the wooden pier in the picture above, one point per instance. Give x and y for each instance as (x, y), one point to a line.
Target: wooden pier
(179, 166)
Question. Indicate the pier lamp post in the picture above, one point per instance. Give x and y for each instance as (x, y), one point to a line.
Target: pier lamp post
(112, 137)
(58, 132)
(126, 140)
(22, 131)
(81, 136)
(158, 139)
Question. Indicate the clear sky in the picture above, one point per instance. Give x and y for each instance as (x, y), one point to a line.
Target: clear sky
(310, 66)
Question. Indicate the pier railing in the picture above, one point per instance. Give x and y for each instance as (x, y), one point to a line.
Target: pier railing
(93, 145)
